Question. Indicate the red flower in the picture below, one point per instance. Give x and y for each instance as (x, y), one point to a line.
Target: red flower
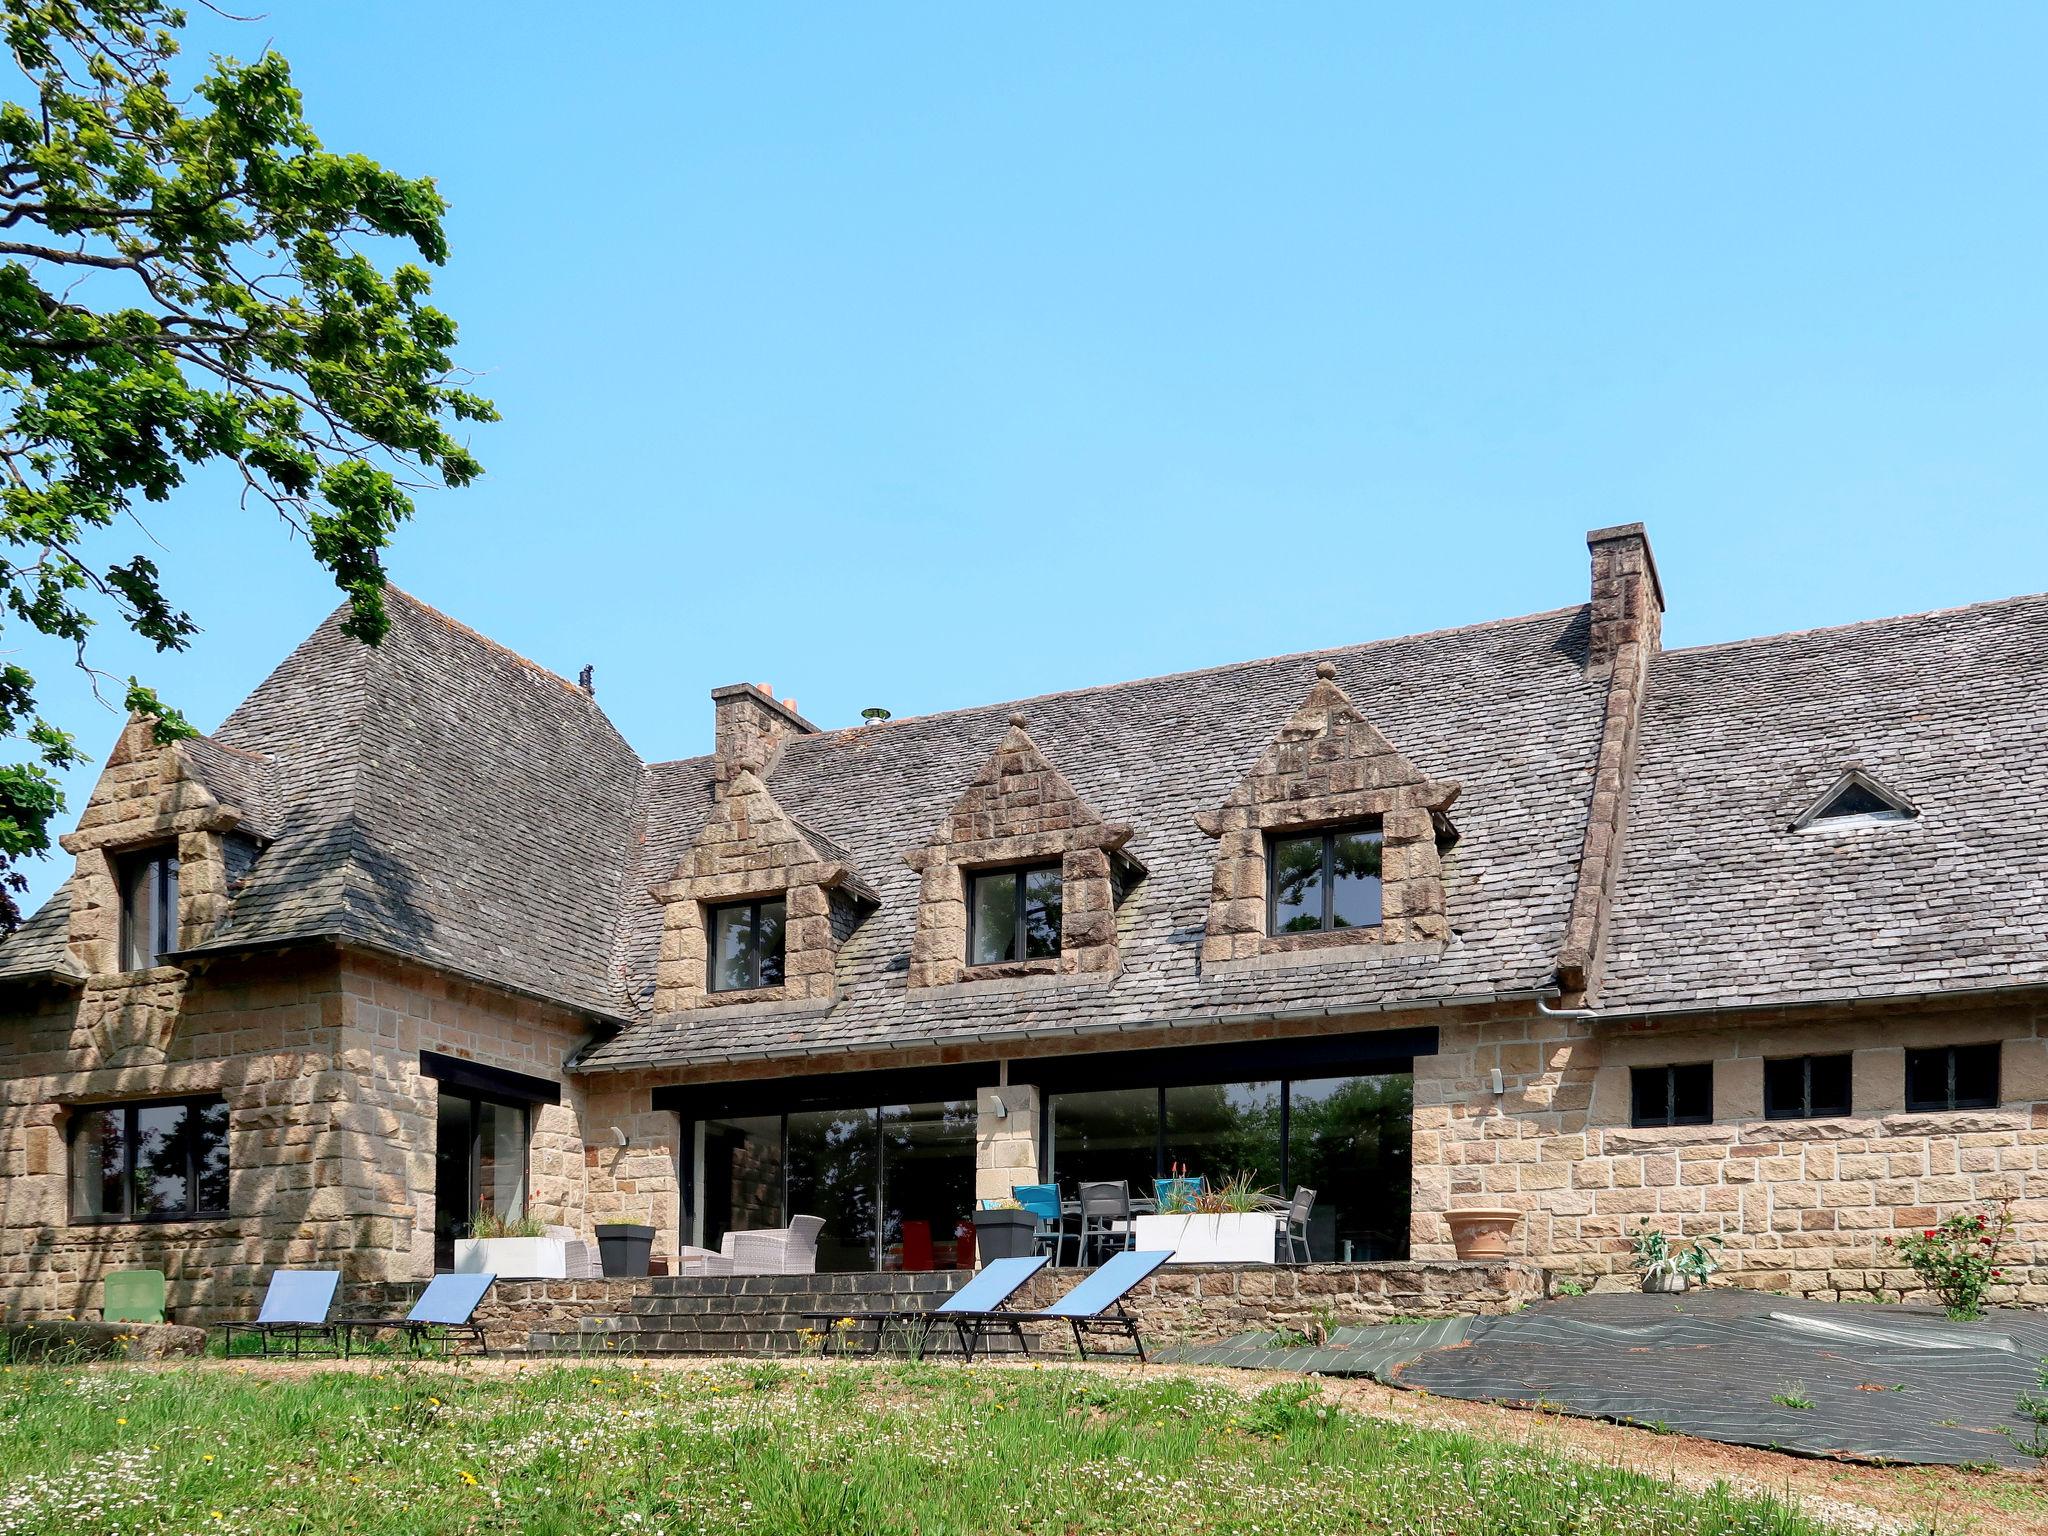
(1928, 1233)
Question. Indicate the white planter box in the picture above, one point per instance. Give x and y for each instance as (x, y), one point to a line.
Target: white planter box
(512, 1258)
(1227, 1239)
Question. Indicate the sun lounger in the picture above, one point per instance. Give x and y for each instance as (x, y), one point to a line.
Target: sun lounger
(448, 1304)
(997, 1282)
(1096, 1305)
(294, 1312)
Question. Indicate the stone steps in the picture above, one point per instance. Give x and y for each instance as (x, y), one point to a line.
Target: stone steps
(736, 1315)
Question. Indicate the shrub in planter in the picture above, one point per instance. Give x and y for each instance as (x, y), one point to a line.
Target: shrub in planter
(1958, 1258)
(1668, 1268)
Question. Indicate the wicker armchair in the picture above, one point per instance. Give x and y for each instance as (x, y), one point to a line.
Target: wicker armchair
(579, 1259)
(791, 1250)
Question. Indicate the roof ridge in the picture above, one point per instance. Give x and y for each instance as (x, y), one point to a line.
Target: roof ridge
(478, 635)
(1193, 672)
(1872, 623)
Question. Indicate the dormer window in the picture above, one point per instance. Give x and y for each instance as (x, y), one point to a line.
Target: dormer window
(149, 906)
(746, 945)
(1856, 800)
(1014, 914)
(1321, 882)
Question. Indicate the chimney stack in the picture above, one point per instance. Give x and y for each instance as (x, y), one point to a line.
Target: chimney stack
(750, 725)
(1628, 600)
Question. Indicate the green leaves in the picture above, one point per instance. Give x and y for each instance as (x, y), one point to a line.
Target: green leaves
(186, 276)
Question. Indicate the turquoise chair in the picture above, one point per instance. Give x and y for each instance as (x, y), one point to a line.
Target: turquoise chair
(1177, 1194)
(1043, 1201)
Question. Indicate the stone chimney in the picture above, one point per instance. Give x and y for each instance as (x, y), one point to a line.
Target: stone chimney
(751, 724)
(1628, 600)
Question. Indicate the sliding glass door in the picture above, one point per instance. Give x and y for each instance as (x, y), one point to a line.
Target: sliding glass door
(479, 1165)
(1345, 1137)
(894, 1183)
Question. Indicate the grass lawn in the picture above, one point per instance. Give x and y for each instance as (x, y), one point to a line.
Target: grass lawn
(913, 1449)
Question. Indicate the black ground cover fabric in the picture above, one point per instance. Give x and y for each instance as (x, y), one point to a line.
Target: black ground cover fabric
(1885, 1384)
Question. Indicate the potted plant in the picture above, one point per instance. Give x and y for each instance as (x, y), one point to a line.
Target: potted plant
(1004, 1229)
(1668, 1270)
(1482, 1233)
(512, 1249)
(1234, 1223)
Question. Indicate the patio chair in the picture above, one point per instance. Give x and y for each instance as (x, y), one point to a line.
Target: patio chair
(700, 1262)
(1105, 1219)
(1294, 1230)
(1096, 1305)
(1177, 1193)
(448, 1303)
(986, 1292)
(133, 1296)
(1043, 1201)
(294, 1312)
(790, 1250)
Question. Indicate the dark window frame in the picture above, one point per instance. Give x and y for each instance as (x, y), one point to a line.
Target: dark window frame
(130, 1109)
(752, 907)
(158, 864)
(1329, 835)
(1804, 1110)
(1671, 1115)
(1020, 944)
(1951, 1103)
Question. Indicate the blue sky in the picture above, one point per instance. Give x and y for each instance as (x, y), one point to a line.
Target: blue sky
(931, 356)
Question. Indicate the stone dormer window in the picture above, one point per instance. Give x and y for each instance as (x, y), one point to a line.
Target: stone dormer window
(1023, 877)
(1325, 881)
(148, 882)
(757, 907)
(1333, 839)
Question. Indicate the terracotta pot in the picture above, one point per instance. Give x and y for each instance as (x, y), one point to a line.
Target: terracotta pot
(1482, 1232)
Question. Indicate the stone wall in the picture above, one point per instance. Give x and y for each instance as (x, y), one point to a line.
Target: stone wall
(1802, 1205)
(761, 1313)
(331, 1125)
(264, 1041)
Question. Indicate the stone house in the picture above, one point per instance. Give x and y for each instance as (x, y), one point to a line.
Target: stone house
(1745, 939)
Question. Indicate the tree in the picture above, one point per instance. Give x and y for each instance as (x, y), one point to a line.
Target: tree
(187, 279)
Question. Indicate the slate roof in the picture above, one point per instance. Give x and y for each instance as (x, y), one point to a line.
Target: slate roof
(437, 797)
(1718, 902)
(1504, 708)
(443, 799)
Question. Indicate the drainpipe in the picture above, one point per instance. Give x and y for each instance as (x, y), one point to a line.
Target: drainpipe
(1563, 1013)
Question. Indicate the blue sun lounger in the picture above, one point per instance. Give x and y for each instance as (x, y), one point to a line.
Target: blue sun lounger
(1096, 1305)
(294, 1312)
(448, 1303)
(998, 1281)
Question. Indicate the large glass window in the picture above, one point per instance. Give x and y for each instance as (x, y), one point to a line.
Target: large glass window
(746, 945)
(1106, 1135)
(162, 1161)
(927, 1184)
(1348, 1140)
(741, 1190)
(833, 1160)
(1013, 914)
(149, 906)
(894, 1184)
(479, 1165)
(1323, 881)
(1223, 1130)
(1346, 1137)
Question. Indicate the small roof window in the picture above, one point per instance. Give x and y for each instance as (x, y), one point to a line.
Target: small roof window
(1856, 800)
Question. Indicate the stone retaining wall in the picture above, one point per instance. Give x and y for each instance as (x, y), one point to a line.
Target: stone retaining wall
(761, 1313)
